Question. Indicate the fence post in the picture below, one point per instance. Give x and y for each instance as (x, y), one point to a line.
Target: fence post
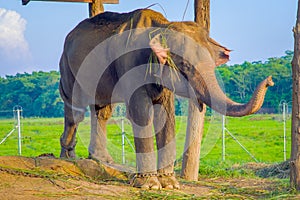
(18, 109)
(223, 138)
(284, 129)
(224, 129)
(123, 141)
(19, 130)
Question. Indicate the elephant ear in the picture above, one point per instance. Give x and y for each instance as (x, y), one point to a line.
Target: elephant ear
(160, 50)
(221, 54)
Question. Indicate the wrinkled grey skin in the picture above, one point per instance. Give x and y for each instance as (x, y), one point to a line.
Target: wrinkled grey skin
(106, 60)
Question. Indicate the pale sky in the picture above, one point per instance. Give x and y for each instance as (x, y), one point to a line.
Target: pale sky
(32, 36)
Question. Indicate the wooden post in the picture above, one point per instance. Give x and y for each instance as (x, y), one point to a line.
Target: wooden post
(202, 13)
(194, 131)
(295, 151)
(96, 7)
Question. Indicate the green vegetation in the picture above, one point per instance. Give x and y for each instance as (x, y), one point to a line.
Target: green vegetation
(38, 92)
(262, 135)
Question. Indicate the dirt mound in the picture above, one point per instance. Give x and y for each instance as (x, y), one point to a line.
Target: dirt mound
(48, 177)
(48, 165)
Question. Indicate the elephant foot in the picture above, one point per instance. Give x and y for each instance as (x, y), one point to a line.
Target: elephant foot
(103, 158)
(67, 153)
(146, 181)
(168, 181)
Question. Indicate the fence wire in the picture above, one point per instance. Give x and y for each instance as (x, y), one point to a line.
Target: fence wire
(262, 135)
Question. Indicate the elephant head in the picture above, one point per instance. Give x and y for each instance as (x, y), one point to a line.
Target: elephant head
(196, 56)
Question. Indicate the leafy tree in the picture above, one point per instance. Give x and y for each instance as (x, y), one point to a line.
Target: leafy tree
(37, 93)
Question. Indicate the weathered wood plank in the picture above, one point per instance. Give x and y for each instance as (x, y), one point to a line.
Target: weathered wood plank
(24, 2)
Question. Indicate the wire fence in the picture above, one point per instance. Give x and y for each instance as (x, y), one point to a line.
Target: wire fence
(256, 138)
(16, 127)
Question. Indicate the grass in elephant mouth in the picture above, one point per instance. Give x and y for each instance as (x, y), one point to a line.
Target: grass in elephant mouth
(154, 67)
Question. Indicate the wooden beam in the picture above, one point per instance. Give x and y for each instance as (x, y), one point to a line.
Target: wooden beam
(25, 2)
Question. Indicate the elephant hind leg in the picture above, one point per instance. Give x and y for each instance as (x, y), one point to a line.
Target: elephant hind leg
(98, 142)
(68, 138)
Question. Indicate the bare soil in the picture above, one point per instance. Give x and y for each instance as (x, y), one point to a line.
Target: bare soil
(50, 178)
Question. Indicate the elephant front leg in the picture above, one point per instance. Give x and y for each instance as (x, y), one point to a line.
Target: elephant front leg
(146, 176)
(164, 125)
(98, 142)
(141, 117)
(68, 138)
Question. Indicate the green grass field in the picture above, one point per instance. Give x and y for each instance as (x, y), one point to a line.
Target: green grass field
(262, 135)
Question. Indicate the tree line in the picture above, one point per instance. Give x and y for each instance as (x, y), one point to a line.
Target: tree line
(38, 93)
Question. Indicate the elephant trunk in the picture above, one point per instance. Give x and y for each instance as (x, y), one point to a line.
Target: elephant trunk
(214, 97)
(255, 102)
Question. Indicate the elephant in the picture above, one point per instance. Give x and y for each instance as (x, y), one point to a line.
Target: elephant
(142, 59)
